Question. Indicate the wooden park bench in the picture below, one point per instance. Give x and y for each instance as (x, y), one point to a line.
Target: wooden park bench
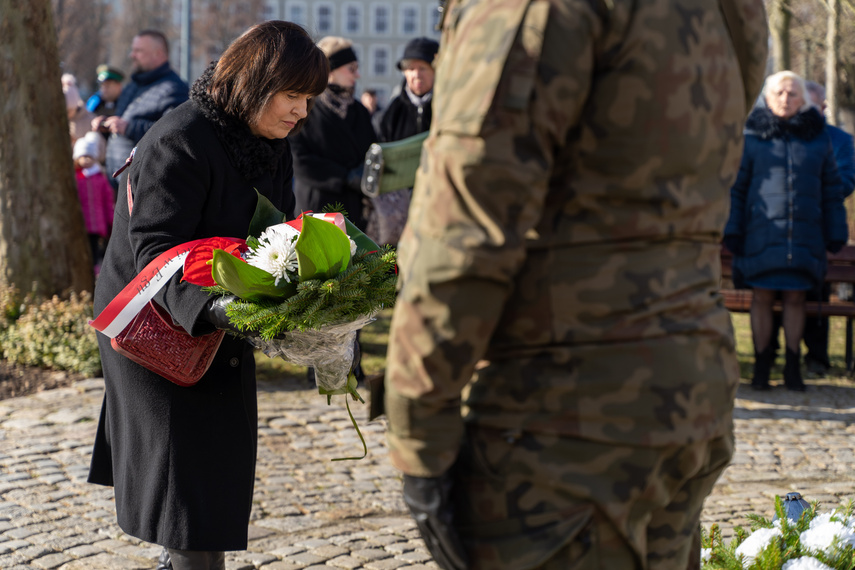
(841, 269)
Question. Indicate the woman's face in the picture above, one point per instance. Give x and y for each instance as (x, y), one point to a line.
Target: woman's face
(346, 75)
(785, 99)
(281, 115)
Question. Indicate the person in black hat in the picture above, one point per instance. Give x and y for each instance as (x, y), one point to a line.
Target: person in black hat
(103, 102)
(329, 153)
(409, 113)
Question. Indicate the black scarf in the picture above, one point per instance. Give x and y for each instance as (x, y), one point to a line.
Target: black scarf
(338, 99)
(762, 122)
(252, 156)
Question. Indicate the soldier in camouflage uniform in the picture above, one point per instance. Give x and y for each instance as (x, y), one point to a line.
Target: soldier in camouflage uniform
(561, 368)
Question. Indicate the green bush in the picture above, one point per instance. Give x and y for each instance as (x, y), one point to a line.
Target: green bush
(52, 333)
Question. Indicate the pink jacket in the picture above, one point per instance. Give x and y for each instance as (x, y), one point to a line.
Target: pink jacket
(97, 199)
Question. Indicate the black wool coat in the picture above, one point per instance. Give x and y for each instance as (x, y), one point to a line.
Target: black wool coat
(182, 460)
(403, 118)
(325, 151)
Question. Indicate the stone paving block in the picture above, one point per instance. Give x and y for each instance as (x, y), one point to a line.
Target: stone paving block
(51, 561)
(106, 561)
(303, 558)
(255, 559)
(281, 565)
(414, 556)
(284, 551)
(347, 562)
(370, 554)
(83, 551)
(399, 547)
(387, 564)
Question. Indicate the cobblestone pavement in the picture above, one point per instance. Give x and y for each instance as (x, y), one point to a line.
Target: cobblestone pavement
(316, 514)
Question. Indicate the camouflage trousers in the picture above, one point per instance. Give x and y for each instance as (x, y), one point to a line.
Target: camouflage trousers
(526, 501)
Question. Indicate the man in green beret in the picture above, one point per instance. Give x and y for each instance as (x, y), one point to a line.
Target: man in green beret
(103, 102)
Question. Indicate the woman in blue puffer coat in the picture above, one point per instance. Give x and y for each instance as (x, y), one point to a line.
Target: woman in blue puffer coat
(786, 211)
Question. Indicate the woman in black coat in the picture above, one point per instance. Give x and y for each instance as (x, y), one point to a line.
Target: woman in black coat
(182, 460)
(786, 211)
(329, 153)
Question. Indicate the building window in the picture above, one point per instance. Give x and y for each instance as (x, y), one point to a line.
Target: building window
(409, 20)
(381, 16)
(380, 61)
(433, 14)
(296, 12)
(324, 18)
(353, 19)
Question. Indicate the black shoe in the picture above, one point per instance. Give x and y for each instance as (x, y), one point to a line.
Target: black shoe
(762, 368)
(815, 368)
(792, 373)
(163, 562)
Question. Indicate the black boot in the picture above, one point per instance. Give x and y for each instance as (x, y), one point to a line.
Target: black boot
(762, 367)
(163, 562)
(792, 372)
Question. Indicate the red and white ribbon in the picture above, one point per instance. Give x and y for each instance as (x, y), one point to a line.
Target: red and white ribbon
(142, 289)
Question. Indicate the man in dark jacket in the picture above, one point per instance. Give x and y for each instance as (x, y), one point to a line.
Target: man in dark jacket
(153, 91)
(409, 113)
(816, 329)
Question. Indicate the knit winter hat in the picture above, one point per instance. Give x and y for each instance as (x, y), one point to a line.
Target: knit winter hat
(86, 146)
(420, 48)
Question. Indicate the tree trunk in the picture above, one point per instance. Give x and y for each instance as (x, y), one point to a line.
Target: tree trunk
(831, 58)
(43, 242)
(779, 30)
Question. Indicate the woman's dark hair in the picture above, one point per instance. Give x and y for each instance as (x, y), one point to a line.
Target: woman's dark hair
(267, 59)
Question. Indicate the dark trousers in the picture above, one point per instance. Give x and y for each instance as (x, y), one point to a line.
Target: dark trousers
(816, 328)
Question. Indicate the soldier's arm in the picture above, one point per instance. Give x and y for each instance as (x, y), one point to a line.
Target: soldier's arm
(501, 109)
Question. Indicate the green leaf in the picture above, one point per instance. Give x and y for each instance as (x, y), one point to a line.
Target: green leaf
(265, 215)
(361, 240)
(246, 281)
(323, 251)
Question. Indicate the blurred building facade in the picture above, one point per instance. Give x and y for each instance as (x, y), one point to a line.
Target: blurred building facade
(379, 31)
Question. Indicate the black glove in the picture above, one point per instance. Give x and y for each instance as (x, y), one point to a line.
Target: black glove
(354, 178)
(215, 313)
(835, 246)
(734, 243)
(429, 501)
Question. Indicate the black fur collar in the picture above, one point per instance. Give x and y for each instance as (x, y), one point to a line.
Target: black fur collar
(806, 125)
(252, 156)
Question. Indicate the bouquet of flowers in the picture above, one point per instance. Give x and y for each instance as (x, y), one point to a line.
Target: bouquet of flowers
(813, 542)
(302, 289)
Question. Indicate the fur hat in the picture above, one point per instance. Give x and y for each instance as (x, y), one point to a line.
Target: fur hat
(420, 48)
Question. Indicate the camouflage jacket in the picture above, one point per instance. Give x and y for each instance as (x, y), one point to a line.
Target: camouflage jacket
(560, 267)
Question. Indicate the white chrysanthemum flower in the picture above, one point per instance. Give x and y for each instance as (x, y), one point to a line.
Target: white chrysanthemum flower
(821, 536)
(275, 253)
(756, 542)
(805, 563)
(352, 247)
(705, 554)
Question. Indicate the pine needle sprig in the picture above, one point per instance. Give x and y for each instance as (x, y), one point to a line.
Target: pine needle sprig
(778, 550)
(364, 288)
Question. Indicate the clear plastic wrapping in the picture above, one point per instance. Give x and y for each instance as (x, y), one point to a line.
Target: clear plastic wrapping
(329, 350)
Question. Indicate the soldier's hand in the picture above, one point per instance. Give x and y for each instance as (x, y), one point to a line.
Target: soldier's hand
(429, 501)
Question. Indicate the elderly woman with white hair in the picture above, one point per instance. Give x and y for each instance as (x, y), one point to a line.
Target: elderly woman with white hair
(786, 211)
